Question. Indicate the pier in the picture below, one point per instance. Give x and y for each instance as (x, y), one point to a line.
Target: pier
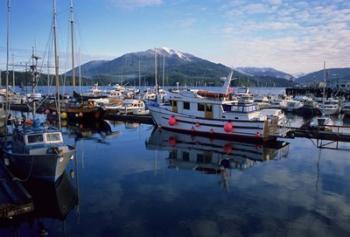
(14, 198)
(324, 135)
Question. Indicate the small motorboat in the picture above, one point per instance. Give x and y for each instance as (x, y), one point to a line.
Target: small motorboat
(37, 151)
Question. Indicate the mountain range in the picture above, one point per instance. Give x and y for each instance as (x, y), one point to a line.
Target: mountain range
(332, 74)
(188, 69)
(264, 72)
(178, 67)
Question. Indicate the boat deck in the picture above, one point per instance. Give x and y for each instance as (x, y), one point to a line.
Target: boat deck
(14, 199)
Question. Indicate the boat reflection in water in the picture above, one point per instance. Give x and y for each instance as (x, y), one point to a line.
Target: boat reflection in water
(88, 130)
(213, 156)
(53, 201)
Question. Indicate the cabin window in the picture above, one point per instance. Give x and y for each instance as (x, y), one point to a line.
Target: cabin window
(200, 107)
(53, 137)
(173, 103)
(209, 108)
(186, 105)
(35, 138)
(226, 108)
(185, 156)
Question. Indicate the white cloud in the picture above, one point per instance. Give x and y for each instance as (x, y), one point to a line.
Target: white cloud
(296, 36)
(135, 3)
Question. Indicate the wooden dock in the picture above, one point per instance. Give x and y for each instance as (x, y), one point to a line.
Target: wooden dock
(331, 133)
(14, 198)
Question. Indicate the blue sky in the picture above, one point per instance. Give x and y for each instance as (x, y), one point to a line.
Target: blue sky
(293, 36)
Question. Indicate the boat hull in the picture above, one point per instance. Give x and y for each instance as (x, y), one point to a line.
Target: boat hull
(47, 167)
(249, 131)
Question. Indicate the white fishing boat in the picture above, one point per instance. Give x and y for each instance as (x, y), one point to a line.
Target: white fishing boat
(262, 101)
(346, 108)
(128, 106)
(330, 107)
(294, 105)
(216, 114)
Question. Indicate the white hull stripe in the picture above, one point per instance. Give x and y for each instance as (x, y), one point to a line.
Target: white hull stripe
(213, 125)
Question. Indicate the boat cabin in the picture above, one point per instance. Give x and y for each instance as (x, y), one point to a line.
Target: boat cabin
(213, 109)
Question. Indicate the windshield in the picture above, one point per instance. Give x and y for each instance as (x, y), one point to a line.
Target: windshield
(35, 138)
(53, 137)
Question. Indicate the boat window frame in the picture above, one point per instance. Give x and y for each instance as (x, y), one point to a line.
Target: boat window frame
(185, 107)
(26, 139)
(53, 142)
(199, 106)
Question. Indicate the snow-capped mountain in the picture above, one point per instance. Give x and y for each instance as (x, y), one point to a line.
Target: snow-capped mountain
(176, 62)
(264, 72)
(167, 52)
(179, 67)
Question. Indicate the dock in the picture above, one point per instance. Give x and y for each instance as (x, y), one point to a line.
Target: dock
(145, 119)
(332, 134)
(14, 198)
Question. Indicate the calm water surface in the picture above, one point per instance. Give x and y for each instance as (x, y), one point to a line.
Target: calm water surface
(141, 182)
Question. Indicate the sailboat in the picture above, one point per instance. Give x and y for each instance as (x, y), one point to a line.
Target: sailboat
(77, 109)
(326, 108)
(36, 150)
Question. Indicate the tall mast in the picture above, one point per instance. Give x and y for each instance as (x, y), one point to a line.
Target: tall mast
(7, 54)
(324, 80)
(163, 70)
(56, 65)
(13, 71)
(155, 70)
(139, 73)
(72, 40)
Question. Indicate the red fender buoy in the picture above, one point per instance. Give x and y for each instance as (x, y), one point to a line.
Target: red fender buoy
(172, 120)
(228, 127)
(172, 141)
(228, 148)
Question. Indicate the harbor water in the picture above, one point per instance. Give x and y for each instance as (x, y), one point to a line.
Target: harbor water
(126, 188)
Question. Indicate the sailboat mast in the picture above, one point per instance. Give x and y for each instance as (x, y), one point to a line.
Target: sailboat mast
(7, 54)
(155, 70)
(56, 64)
(13, 71)
(72, 41)
(139, 73)
(324, 80)
(163, 70)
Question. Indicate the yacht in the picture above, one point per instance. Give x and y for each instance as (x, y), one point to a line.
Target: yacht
(262, 101)
(128, 106)
(330, 107)
(216, 114)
